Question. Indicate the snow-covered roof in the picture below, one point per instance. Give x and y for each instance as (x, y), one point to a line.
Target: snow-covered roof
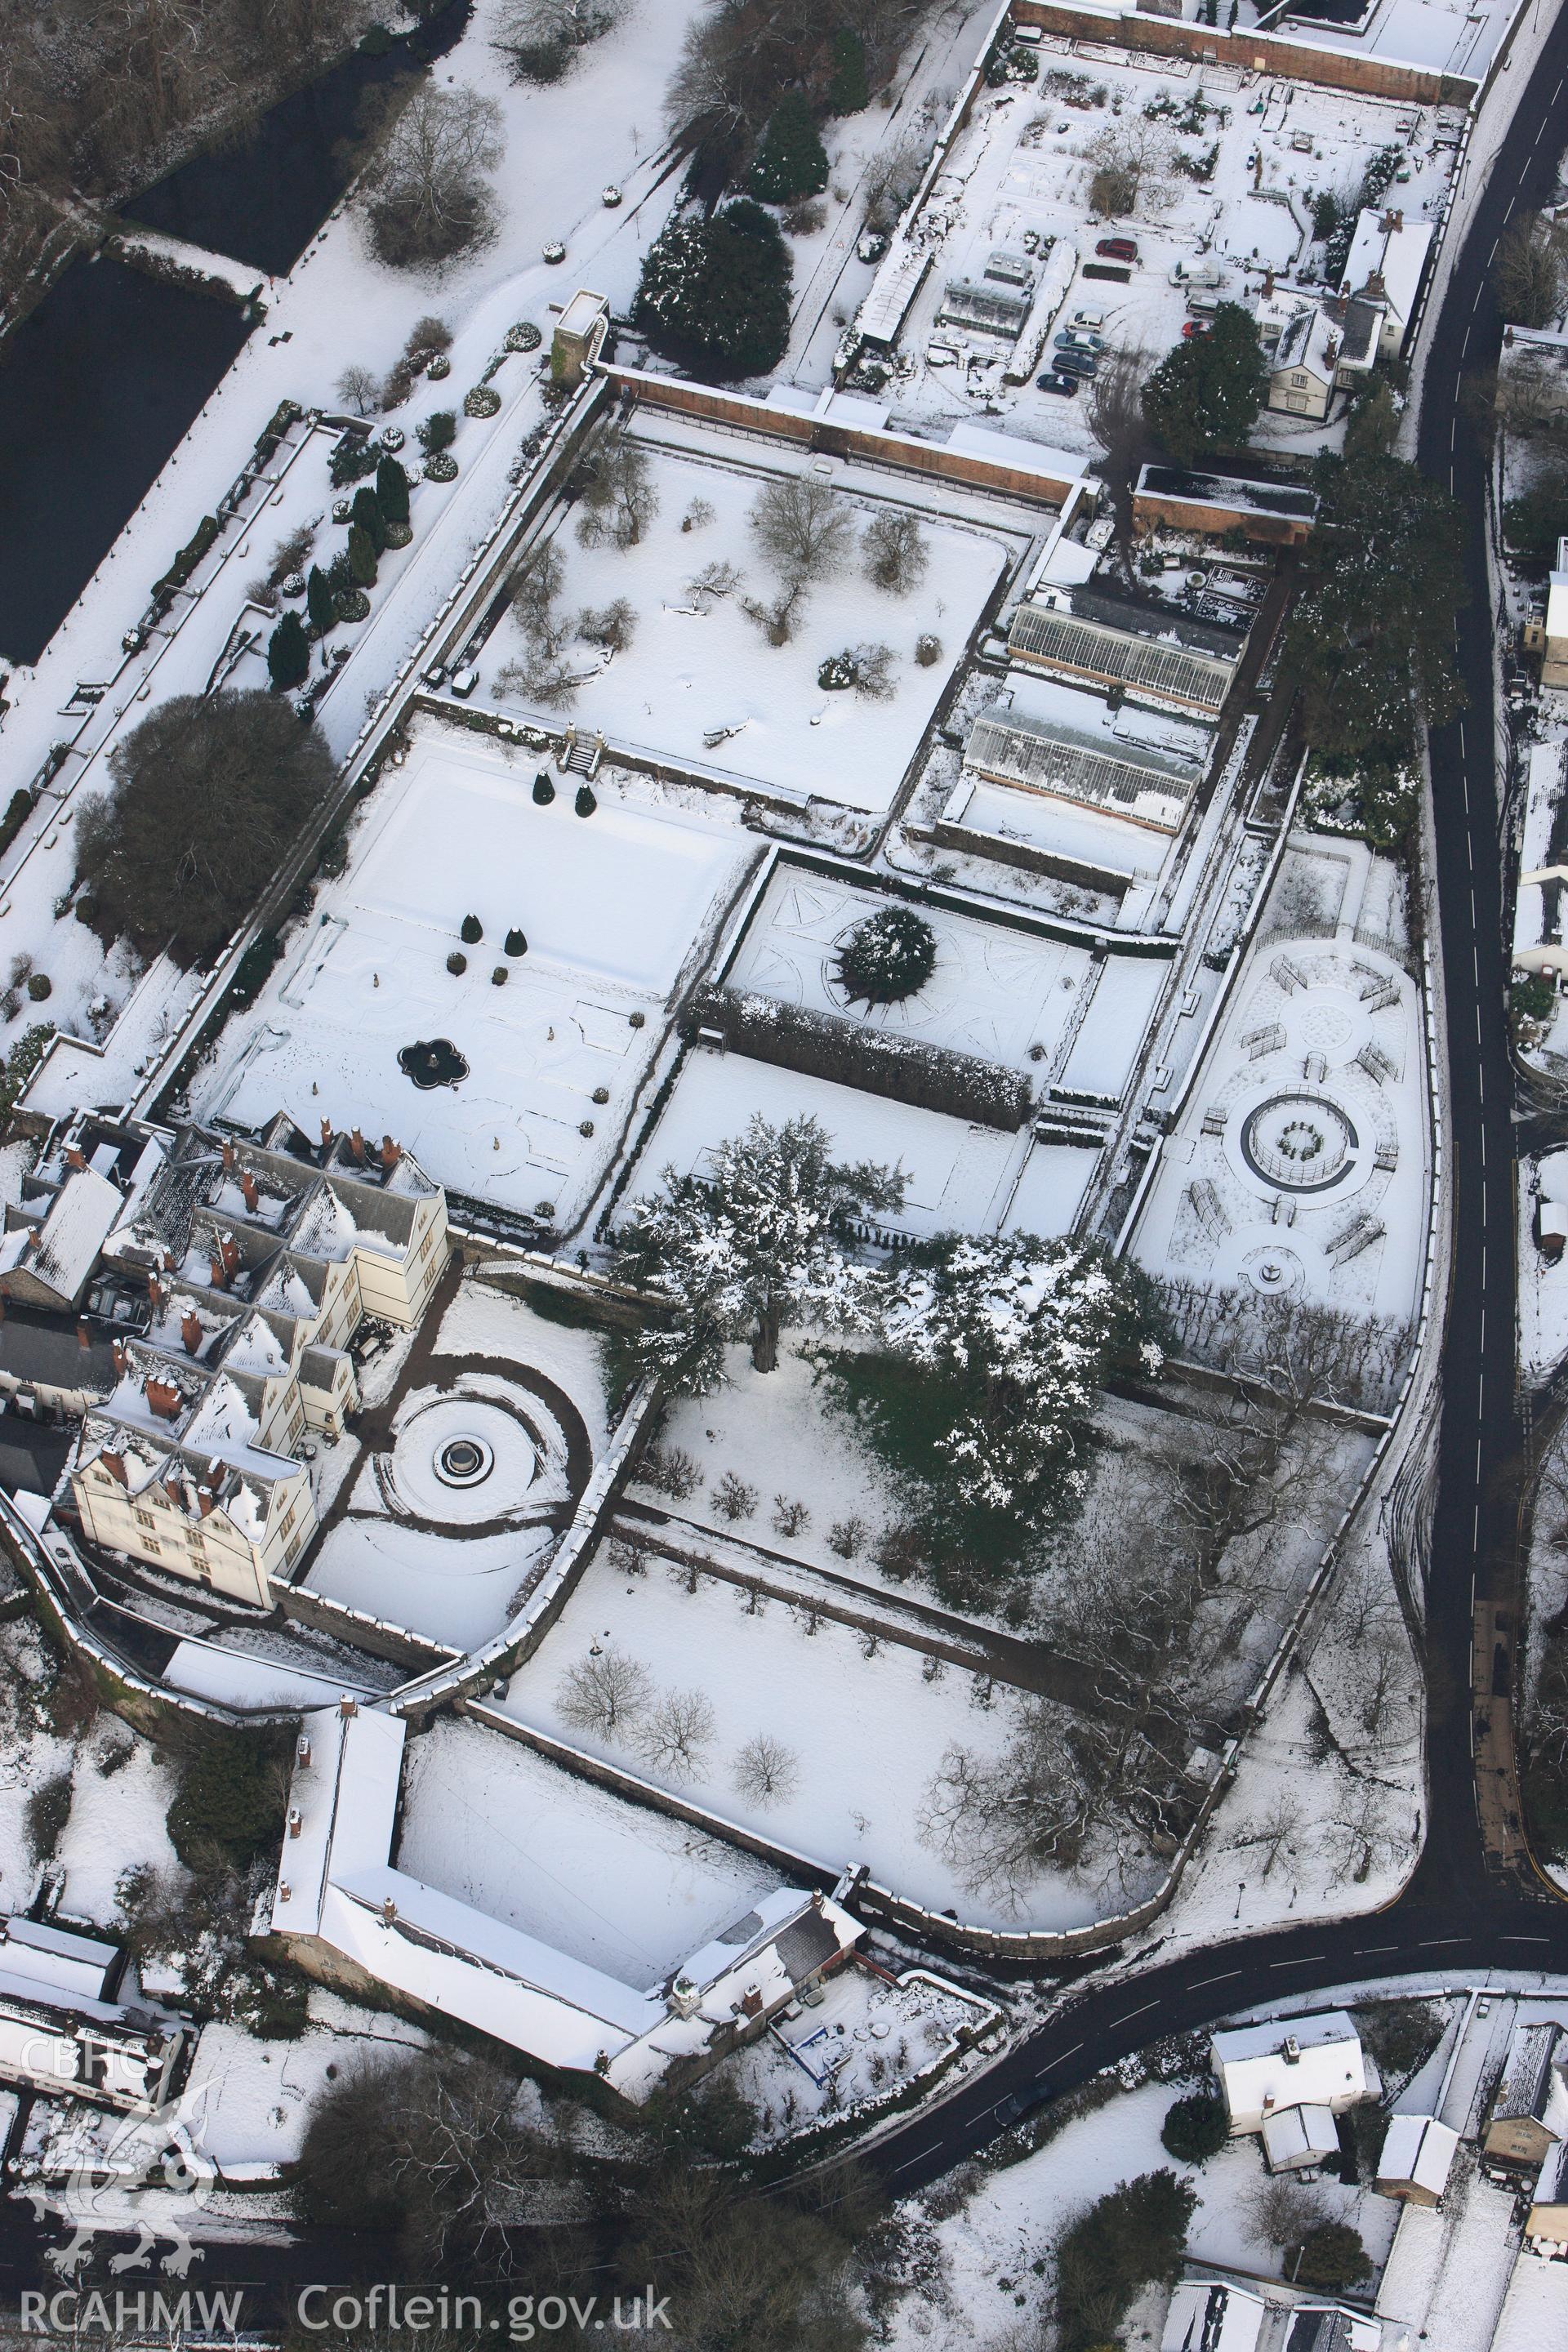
(1531, 2085)
(335, 1882)
(1290, 2062)
(1213, 2315)
(1557, 595)
(62, 1251)
(1388, 246)
(57, 1960)
(1298, 2136)
(1417, 2151)
(1309, 344)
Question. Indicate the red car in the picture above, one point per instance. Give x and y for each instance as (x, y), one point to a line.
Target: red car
(1192, 327)
(1117, 249)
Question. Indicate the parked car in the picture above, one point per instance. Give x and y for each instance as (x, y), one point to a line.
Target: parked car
(463, 684)
(1117, 249)
(1079, 339)
(436, 674)
(1077, 364)
(1203, 305)
(1079, 319)
(1192, 327)
(1064, 385)
(1020, 2102)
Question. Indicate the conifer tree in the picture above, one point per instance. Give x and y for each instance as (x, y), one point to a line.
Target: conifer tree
(849, 90)
(362, 556)
(367, 513)
(288, 652)
(392, 490)
(791, 161)
(318, 600)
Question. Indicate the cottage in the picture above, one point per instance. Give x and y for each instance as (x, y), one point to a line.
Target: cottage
(1383, 269)
(1304, 367)
(1530, 2113)
(1306, 2061)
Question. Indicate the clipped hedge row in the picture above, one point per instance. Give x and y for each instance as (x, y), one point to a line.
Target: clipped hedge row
(189, 556)
(853, 1054)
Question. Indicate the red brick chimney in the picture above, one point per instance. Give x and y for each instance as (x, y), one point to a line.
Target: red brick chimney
(75, 1157)
(225, 1262)
(115, 1465)
(230, 1157)
(751, 2002)
(248, 1187)
(326, 1134)
(83, 1336)
(191, 1331)
(391, 1153)
(205, 1503)
(121, 1361)
(155, 1292)
(356, 1145)
(163, 1398)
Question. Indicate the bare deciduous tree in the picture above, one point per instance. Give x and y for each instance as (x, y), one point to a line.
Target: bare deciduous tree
(612, 625)
(424, 191)
(766, 1770)
(535, 584)
(894, 553)
(539, 36)
(616, 490)
(1527, 273)
(804, 531)
(1274, 1831)
(1114, 412)
(359, 388)
(1282, 2211)
(677, 1733)
(610, 1693)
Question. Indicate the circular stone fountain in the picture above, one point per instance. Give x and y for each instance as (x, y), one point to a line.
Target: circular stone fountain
(458, 1460)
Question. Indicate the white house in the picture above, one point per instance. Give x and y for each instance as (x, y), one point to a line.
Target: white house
(1417, 2154)
(1386, 263)
(1303, 366)
(1302, 2061)
(352, 1918)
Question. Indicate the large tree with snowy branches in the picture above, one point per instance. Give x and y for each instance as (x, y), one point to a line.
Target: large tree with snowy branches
(760, 1243)
(993, 1347)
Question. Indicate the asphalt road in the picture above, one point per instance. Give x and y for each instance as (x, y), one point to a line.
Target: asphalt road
(1466, 1910)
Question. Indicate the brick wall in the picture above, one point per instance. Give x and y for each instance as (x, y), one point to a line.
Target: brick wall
(1265, 53)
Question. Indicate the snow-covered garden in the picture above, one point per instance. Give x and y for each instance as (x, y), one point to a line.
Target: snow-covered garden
(554, 1005)
(695, 675)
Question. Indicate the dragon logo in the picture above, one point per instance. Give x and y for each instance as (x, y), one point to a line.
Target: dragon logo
(148, 2180)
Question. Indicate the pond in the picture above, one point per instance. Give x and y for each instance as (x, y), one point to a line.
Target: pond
(98, 384)
(433, 1061)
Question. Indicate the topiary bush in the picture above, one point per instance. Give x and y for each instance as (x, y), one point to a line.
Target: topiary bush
(438, 431)
(1195, 2128)
(889, 956)
(516, 944)
(439, 368)
(928, 650)
(836, 673)
(543, 790)
(584, 803)
(482, 401)
(399, 534)
(288, 652)
(39, 986)
(457, 963)
(498, 976)
(524, 337)
(351, 605)
(471, 930)
(440, 468)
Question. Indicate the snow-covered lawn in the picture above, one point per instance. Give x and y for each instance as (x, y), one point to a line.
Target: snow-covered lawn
(615, 909)
(698, 666)
(482, 1321)
(608, 1882)
(985, 2254)
(250, 2099)
(453, 1589)
(866, 1734)
(960, 1177)
(1005, 995)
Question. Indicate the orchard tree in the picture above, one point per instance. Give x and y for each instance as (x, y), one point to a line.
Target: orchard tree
(791, 162)
(210, 791)
(715, 293)
(1207, 394)
(758, 1244)
(1372, 634)
(616, 499)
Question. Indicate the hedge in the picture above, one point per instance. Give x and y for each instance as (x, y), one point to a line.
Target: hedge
(189, 556)
(853, 1054)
